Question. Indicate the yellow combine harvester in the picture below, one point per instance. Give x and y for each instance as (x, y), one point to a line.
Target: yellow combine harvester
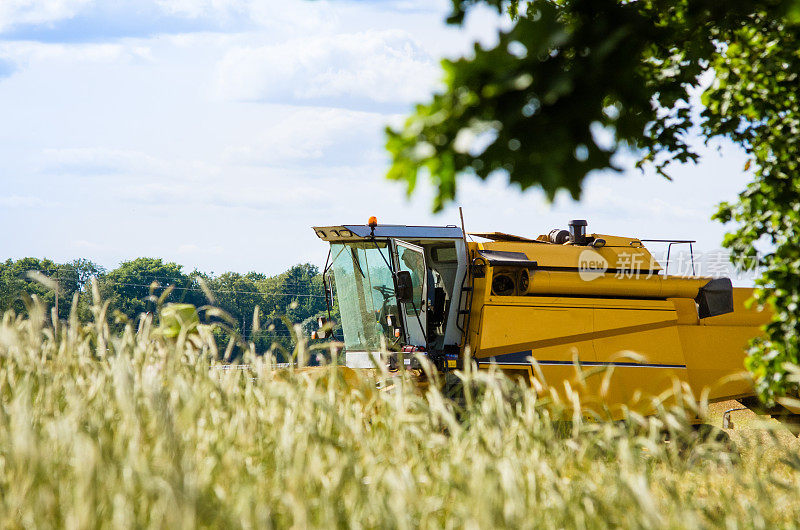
(533, 307)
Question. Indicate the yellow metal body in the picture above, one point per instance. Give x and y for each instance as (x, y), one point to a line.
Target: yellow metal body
(634, 332)
(587, 315)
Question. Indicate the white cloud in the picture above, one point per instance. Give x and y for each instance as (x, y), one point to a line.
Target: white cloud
(95, 20)
(266, 191)
(86, 245)
(378, 66)
(313, 134)
(31, 52)
(17, 12)
(200, 8)
(266, 13)
(194, 249)
(22, 201)
(99, 161)
(135, 178)
(607, 198)
(6, 67)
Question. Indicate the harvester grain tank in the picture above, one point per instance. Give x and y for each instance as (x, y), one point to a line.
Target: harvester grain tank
(539, 308)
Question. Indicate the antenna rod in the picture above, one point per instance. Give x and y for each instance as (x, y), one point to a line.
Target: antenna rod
(463, 232)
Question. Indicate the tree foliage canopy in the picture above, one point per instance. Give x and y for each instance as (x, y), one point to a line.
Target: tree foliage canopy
(573, 82)
(17, 285)
(139, 285)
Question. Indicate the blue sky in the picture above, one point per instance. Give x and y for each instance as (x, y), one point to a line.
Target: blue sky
(215, 132)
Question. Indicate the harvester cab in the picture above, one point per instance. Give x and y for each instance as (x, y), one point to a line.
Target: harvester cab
(398, 288)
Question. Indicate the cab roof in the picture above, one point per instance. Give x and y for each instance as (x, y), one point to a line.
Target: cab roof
(356, 232)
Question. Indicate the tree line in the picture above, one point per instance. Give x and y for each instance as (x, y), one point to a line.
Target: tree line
(262, 309)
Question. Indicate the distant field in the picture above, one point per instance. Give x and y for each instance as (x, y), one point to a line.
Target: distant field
(139, 431)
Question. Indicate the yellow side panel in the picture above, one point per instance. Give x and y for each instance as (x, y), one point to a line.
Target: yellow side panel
(551, 333)
(678, 349)
(608, 318)
(634, 387)
(714, 352)
(685, 309)
(651, 334)
(607, 391)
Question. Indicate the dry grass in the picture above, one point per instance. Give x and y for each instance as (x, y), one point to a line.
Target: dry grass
(140, 430)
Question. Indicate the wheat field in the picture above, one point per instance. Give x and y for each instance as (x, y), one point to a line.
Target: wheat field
(147, 429)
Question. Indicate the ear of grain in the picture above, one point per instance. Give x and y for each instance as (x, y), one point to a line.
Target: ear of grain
(144, 430)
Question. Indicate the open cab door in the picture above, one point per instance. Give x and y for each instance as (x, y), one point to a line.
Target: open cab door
(411, 258)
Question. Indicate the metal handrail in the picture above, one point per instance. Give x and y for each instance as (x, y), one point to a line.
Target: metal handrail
(726, 417)
(669, 249)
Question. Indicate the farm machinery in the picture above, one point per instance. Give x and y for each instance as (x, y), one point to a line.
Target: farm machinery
(545, 309)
